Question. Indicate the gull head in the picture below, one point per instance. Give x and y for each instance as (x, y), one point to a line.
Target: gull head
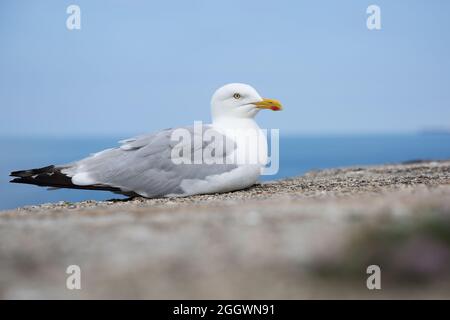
(238, 100)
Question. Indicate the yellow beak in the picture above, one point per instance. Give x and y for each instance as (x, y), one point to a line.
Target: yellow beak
(271, 104)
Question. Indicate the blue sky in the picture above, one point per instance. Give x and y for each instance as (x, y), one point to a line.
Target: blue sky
(139, 66)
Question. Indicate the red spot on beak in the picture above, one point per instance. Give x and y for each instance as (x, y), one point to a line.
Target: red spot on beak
(274, 108)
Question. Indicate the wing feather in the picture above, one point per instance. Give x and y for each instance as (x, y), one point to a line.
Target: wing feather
(144, 165)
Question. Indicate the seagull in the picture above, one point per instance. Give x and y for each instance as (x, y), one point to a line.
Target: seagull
(160, 164)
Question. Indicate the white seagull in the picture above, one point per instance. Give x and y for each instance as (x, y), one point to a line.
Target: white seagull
(145, 166)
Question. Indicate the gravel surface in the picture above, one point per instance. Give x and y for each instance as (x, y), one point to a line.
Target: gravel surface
(306, 237)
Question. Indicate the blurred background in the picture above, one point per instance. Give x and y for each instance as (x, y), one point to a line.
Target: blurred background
(352, 96)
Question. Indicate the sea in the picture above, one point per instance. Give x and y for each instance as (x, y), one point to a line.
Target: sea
(297, 153)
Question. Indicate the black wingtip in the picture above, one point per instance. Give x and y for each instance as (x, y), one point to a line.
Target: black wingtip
(14, 174)
(18, 174)
(16, 180)
(31, 172)
(54, 178)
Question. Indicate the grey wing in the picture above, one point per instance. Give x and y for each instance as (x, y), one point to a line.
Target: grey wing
(145, 165)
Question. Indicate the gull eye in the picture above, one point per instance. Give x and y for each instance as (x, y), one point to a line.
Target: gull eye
(236, 96)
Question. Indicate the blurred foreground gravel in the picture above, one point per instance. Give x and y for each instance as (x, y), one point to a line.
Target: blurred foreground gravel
(306, 237)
